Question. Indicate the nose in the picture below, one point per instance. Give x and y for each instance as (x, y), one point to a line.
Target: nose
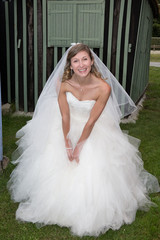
(80, 63)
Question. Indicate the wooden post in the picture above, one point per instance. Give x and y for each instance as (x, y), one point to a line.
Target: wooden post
(16, 57)
(8, 52)
(111, 15)
(24, 55)
(118, 52)
(126, 44)
(55, 56)
(44, 40)
(35, 52)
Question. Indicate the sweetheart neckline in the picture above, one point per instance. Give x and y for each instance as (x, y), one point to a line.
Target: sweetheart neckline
(81, 100)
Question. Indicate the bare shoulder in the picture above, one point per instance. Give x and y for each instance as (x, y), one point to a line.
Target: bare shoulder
(104, 88)
(64, 87)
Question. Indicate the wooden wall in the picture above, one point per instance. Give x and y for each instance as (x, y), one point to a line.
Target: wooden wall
(26, 62)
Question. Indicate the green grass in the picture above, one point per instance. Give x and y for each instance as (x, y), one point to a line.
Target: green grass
(146, 225)
(155, 57)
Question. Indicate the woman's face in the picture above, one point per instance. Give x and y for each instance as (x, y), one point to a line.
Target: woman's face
(81, 64)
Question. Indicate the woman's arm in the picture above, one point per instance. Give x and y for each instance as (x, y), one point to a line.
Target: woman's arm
(64, 109)
(95, 114)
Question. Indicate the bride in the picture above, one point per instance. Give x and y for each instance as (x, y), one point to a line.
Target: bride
(76, 168)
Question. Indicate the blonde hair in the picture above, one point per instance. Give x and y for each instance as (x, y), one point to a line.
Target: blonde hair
(73, 51)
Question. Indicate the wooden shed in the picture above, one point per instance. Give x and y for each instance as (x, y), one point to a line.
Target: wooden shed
(37, 32)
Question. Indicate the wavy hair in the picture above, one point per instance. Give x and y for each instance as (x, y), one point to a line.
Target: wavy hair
(73, 51)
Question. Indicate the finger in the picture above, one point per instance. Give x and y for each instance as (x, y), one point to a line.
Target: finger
(70, 155)
(70, 158)
(77, 160)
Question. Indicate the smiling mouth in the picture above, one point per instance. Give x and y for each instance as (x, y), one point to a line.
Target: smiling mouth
(82, 70)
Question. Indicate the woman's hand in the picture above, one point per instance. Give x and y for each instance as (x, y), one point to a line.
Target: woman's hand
(70, 153)
(77, 151)
(76, 154)
(69, 149)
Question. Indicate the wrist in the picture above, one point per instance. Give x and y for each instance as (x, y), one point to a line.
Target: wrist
(68, 144)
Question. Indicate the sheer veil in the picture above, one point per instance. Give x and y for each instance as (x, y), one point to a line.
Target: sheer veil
(36, 131)
(120, 99)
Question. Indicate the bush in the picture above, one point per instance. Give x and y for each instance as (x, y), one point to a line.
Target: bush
(156, 30)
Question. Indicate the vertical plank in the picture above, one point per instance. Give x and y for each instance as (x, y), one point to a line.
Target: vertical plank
(16, 57)
(119, 36)
(55, 56)
(102, 30)
(136, 56)
(48, 21)
(101, 53)
(149, 43)
(141, 60)
(44, 41)
(24, 55)
(111, 9)
(75, 23)
(35, 52)
(8, 53)
(126, 43)
(63, 50)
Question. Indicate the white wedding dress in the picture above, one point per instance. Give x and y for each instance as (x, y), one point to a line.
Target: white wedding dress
(102, 191)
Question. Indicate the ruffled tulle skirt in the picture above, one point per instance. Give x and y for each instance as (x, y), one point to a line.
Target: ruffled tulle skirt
(102, 191)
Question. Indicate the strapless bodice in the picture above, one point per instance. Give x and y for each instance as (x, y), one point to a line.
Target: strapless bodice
(79, 109)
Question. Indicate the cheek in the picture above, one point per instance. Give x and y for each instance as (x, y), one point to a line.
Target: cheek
(90, 63)
(74, 66)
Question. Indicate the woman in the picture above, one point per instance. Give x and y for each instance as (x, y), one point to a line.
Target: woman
(84, 85)
(76, 167)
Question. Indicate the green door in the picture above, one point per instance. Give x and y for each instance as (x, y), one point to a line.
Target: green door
(76, 21)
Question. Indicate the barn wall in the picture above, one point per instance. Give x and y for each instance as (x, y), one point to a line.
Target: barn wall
(120, 42)
(142, 53)
(127, 25)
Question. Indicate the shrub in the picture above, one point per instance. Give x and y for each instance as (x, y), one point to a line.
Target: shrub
(156, 30)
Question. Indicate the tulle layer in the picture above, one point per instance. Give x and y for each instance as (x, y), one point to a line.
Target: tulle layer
(102, 191)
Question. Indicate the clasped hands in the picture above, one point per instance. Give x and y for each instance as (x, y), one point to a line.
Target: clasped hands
(73, 154)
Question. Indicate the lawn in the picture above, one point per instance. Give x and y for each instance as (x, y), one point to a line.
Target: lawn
(155, 57)
(146, 225)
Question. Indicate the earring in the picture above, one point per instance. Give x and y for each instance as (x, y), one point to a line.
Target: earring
(71, 71)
